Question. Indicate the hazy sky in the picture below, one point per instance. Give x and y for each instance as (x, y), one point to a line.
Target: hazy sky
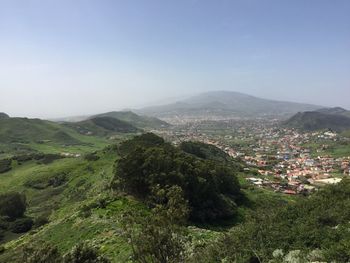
(70, 57)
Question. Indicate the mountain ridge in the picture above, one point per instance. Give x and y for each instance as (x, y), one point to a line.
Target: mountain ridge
(336, 119)
(227, 104)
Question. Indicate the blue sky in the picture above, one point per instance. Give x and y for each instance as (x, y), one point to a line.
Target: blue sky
(69, 57)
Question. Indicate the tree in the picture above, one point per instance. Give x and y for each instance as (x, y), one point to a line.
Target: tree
(210, 187)
(12, 204)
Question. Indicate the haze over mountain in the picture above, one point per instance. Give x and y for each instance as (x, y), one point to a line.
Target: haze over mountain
(227, 104)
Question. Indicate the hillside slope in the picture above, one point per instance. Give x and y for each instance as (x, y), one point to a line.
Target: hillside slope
(135, 120)
(319, 120)
(23, 135)
(102, 126)
(23, 130)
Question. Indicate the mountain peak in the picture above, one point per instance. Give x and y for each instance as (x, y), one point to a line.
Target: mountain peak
(226, 104)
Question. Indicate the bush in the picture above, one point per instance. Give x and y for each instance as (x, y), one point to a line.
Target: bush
(45, 254)
(318, 226)
(82, 253)
(48, 253)
(12, 204)
(5, 165)
(41, 221)
(159, 236)
(22, 225)
(91, 157)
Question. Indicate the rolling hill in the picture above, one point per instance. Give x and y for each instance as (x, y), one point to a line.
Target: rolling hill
(24, 130)
(335, 119)
(24, 135)
(226, 104)
(135, 120)
(101, 126)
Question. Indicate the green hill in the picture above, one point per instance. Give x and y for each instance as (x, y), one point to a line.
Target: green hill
(316, 120)
(102, 126)
(136, 120)
(23, 130)
(23, 135)
(335, 110)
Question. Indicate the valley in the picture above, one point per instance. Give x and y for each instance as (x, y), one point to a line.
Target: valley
(73, 190)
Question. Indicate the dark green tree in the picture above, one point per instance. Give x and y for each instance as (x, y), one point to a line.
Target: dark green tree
(12, 204)
(159, 237)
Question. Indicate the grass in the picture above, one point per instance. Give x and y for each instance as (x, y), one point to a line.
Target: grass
(73, 206)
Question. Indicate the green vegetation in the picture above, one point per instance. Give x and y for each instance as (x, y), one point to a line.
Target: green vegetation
(320, 223)
(205, 151)
(20, 136)
(159, 236)
(5, 165)
(158, 192)
(136, 120)
(102, 126)
(211, 188)
(12, 205)
(82, 253)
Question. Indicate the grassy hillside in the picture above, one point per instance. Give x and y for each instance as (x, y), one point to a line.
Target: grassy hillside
(102, 126)
(136, 120)
(74, 194)
(73, 207)
(21, 135)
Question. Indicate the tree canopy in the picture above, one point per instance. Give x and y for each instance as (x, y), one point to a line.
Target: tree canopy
(210, 187)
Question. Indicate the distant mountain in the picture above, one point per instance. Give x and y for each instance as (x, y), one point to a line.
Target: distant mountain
(135, 120)
(4, 115)
(335, 110)
(335, 119)
(226, 104)
(101, 126)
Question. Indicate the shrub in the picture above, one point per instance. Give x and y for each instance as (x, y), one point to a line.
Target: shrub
(5, 165)
(12, 204)
(45, 254)
(91, 157)
(159, 236)
(41, 221)
(83, 253)
(22, 225)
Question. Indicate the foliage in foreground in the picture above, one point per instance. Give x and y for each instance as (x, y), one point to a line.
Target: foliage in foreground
(81, 253)
(210, 187)
(159, 236)
(317, 227)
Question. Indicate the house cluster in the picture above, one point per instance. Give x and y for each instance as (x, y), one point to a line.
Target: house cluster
(282, 158)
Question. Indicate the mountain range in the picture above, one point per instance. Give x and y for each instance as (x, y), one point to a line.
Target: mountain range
(226, 104)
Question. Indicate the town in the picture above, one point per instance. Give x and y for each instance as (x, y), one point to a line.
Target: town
(277, 158)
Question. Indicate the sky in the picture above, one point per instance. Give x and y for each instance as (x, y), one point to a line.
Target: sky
(75, 57)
